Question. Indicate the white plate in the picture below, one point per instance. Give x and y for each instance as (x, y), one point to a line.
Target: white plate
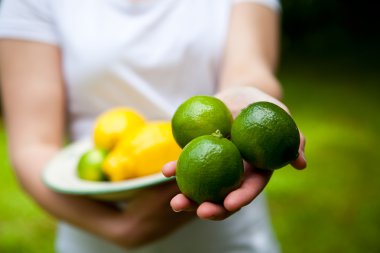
(60, 175)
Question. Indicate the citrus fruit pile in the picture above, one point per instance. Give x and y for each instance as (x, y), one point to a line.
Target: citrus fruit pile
(127, 146)
(215, 145)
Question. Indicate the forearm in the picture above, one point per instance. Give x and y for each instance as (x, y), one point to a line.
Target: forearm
(145, 219)
(93, 216)
(34, 112)
(251, 53)
(35, 108)
(251, 76)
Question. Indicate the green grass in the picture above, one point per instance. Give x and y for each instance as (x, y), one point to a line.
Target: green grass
(24, 228)
(332, 206)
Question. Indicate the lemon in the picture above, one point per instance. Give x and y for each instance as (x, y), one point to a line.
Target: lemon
(266, 135)
(208, 168)
(118, 166)
(111, 125)
(143, 153)
(200, 115)
(89, 166)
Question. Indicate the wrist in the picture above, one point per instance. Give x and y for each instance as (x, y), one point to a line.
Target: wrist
(261, 79)
(238, 97)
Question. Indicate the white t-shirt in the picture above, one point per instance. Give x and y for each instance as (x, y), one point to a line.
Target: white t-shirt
(150, 55)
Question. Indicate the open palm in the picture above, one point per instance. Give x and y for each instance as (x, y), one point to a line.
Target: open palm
(254, 180)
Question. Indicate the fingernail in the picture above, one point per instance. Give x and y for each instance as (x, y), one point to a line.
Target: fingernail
(176, 211)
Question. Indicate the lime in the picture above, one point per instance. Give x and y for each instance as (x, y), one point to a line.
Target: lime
(200, 115)
(208, 168)
(90, 165)
(266, 135)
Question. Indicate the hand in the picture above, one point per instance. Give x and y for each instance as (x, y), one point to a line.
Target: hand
(149, 216)
(253, 183)
(254, 180)
(238, 98)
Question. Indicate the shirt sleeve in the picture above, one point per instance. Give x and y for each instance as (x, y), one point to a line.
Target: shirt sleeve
(27, 20)
(273, 4)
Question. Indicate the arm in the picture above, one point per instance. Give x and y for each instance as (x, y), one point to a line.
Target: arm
(34, 105)
(247, 76)
(250, 61)
(251, 52)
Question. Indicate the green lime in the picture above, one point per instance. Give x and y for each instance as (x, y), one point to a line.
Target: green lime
(90, 165)
(266, 135)
(208, 168)
(200, 115)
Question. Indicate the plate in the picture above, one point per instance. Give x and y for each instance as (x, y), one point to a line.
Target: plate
(60, 176)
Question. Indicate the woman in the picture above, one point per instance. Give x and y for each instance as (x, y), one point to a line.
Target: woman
(64, 62)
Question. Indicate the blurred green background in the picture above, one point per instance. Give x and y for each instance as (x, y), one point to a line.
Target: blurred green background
(331, 76)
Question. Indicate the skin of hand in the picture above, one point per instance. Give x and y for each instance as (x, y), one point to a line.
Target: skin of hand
(150, 217)
(247, 77)
(254, 180)
(34, 103)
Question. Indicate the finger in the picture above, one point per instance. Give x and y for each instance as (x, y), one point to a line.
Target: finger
(300, 163)
(254, 182)
(169, 169)
(211, 211)
(181, 203)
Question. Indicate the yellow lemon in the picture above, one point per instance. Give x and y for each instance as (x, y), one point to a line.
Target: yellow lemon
(117, 166)
(142, 153)
(111, 125)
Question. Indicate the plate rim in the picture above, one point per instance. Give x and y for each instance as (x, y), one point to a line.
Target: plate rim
(107, 187)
